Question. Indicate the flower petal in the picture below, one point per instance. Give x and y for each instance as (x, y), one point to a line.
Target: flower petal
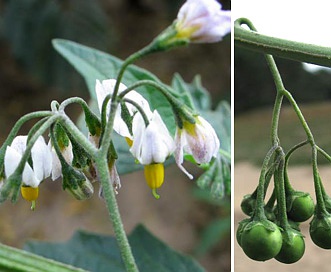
(41, 159)
(56, 164)
(179, 152)
(107, 87)
(203, 21)
(151, 144)
(12, 159)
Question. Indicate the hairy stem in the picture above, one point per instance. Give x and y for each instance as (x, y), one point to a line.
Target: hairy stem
(109, 195)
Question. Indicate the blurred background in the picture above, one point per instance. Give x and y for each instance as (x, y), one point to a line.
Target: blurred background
(32, 74)
(254, 97)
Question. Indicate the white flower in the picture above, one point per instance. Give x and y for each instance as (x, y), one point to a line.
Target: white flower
(199, 140)
(41, 160)
(203, 21)
(151, 144)
(67, 154)
(105, 88)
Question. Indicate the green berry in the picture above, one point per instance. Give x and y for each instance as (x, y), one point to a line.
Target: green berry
(261, 240)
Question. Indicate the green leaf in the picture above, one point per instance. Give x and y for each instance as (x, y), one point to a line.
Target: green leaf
(192, 92)
(16, 260)
(100, 253)
(220, 119)
(29, 27)
(213, 234)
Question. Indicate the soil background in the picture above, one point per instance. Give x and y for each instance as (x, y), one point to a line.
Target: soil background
(315, 258)
(176, 218)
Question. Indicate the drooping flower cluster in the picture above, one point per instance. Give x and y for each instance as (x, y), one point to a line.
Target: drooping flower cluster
(148, 137)
(150, 140)
(44, 162)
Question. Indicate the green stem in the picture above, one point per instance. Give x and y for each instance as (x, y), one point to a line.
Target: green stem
(320, 204)
(275, 119)
(243, 37)
(54, 106)
(72, 100)
(280, 192)
(78, 135)
(326, 155)
(288, 186)
(279, 98)
(165, 90)
(140, 109)
(177, 105)
(280, 47)
(114, 99)
(302, 120)
(259, 211)
(15, 260)
(109, 195)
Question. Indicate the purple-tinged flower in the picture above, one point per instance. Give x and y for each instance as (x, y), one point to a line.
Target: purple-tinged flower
(203, 21)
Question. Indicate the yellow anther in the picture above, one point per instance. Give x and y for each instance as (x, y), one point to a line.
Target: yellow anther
(190, 128)
(129, 141)
(154, 175)
(185, 33)
(29, 193)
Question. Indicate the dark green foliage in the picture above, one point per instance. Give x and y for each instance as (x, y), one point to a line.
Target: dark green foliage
(100, 253)
(29, 27)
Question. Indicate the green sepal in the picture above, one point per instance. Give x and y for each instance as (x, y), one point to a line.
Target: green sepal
(112, 154)
(81, 158)
(205, 180)
(11, 188)
(269, 225)
(327, 202)
(61, 136)
(126, 116)
(93, 123)
(290, 197)
(241, 226)
(168, 40)
(289, 233)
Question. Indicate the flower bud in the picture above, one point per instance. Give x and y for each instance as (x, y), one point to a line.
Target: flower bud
(76, 183)
(84, 190)
(202, 21)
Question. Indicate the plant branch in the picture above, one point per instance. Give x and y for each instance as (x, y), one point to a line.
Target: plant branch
(283, 48)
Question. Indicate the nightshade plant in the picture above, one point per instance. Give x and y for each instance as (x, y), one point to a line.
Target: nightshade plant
(272, 229)
(156, 123)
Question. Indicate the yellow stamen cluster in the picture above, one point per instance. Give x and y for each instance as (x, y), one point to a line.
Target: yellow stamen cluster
(190, 128)
(30, 194)
(154, 175)
(129, 141)
(185, 33)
